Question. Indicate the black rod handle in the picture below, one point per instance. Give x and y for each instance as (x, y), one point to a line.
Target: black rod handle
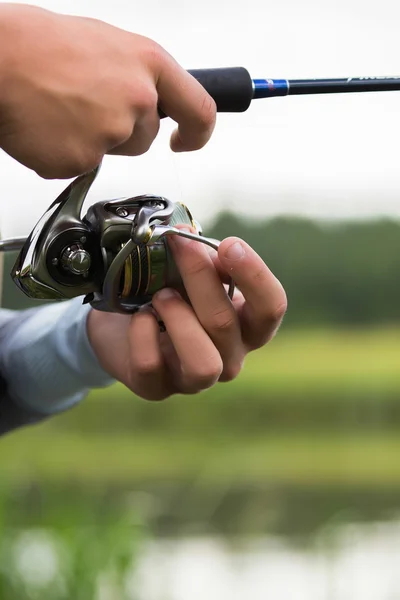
(231, 88)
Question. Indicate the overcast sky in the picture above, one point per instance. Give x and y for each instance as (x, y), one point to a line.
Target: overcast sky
(329, 157)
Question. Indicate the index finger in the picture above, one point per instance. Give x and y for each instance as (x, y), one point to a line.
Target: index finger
(185, 100)
(265, 299)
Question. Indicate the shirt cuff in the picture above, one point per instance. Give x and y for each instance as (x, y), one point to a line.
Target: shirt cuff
(48, 362)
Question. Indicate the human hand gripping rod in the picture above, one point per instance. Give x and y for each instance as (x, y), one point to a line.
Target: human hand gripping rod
(116, 255)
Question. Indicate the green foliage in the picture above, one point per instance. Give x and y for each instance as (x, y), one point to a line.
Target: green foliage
(337, 273)
(64, 553)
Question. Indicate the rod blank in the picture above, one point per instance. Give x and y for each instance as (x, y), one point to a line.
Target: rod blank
(268, 88)
(12, 244)
(233, 89)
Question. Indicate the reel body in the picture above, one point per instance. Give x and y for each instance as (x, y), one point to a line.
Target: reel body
(116, 256)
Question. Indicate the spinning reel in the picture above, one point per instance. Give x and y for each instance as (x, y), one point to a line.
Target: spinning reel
(116, 256)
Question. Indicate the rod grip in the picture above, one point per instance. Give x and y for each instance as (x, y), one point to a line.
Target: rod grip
(231, 87)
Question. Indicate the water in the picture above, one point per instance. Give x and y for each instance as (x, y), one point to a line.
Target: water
(350, 562)
(355, 562)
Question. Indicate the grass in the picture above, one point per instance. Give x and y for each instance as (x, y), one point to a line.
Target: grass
(279, 459)
(302, 380)
(320, 361)
(313, 407)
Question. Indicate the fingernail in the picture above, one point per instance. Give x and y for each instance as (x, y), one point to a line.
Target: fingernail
(167, 294)
(235, 251)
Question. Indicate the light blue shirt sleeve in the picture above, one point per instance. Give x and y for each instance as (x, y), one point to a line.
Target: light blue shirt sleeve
(46, 359)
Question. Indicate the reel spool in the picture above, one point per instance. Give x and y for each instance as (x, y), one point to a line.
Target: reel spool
(151, 266)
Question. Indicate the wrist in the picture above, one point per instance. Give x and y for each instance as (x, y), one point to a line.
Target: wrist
(97, 334)
(108, 336)
(74, 348)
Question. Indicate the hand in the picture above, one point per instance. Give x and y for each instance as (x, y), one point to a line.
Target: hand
(204, 343)
(73, 89)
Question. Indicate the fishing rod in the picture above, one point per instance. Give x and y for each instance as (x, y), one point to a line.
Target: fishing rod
(116, 255)
(233, 88)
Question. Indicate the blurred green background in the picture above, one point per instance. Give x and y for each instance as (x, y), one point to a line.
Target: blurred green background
(304, 442)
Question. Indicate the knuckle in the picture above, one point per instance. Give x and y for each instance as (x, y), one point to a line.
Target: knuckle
(269, 326)
(153, 52)
(198, 265)
(147, 366)
(145, 99)
(214, 373)
(261, 276)
(206, 119)
(118, 132)
(204, 375)
(280, 311)
(231, 371)
(223, 320)
(277, 307)
(267, 322)
(72, 166)
(143, 145)
(208, 112)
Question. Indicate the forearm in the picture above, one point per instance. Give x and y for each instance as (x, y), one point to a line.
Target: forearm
(46, 359)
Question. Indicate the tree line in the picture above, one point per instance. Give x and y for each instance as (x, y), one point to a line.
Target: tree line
(334, 273)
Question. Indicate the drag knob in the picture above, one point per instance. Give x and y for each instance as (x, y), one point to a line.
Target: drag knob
(76, 260)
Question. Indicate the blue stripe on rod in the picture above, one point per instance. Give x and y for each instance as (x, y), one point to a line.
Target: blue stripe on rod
(268, 88)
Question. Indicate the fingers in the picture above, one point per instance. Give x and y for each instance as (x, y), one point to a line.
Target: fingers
(199, 364)
(184, 99)
(180, 96)
(265, 299)
(148, 374)
(212, 306)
